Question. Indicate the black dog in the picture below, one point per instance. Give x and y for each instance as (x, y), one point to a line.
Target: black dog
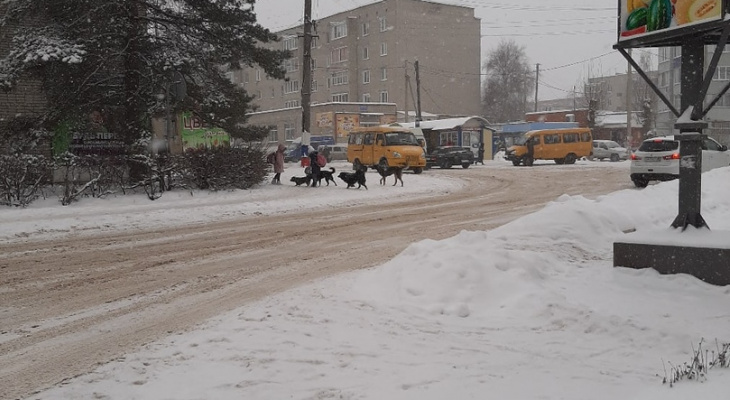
(352, 178)
(388, 171)
(327, 176)
(301, 180)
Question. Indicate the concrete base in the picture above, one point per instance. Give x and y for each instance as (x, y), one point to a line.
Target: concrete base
(711, 265)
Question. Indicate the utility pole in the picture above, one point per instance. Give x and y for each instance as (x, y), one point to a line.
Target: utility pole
(307, 67)
(537, 81)
(418, 96)
(628, 102)
(405, 97)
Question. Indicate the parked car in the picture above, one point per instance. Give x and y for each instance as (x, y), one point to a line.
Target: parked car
(447, 156)
(609, 149)
(334, 151)
(657, 159)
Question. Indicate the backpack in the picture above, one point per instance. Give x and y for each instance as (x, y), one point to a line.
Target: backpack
(321, 160)
(271, 158)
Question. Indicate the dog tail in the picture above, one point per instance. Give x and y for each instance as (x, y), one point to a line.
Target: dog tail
(333, 169)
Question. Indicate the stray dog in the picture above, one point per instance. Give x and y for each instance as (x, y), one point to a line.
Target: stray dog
(327, 176)
(386, 172)
(352, 178)
(301, 180)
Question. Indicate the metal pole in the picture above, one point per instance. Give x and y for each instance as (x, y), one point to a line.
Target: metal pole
(690, 137)
(537, 80)
(419, 116)
(628, 102)
(307, 67)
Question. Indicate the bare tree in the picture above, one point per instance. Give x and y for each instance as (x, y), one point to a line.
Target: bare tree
(509, 81)
(644, 99)
(595, 95)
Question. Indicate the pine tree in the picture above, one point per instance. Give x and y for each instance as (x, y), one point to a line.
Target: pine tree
(118, 58)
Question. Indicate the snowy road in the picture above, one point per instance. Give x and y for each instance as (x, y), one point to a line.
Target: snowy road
(70, 302)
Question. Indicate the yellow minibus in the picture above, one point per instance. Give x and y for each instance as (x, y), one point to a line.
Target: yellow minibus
(386, 146)
(564, 146)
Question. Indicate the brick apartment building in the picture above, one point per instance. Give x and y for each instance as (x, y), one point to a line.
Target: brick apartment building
(363, 67)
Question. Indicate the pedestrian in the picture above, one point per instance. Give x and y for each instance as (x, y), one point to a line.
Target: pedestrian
(278, 164)
(530, 158)
(480, 154)
(314, 167)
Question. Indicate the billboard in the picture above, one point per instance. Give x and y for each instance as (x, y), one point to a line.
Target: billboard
(644, 18)
(196, 134)
(346, 123)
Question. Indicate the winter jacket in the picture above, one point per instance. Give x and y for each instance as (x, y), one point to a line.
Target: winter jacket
(279, 161)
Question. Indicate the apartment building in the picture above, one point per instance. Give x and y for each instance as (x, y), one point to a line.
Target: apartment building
(363, 65)
(669, 82)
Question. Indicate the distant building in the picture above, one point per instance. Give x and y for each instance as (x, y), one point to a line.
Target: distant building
(364, 59)
(669, 82)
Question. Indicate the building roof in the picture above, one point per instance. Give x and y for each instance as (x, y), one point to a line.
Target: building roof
(443, 124)
(616, 120)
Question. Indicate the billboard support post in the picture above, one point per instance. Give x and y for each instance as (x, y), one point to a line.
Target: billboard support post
(691, 25)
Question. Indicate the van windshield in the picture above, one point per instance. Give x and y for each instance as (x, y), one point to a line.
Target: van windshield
(400, 138)
(520, 140)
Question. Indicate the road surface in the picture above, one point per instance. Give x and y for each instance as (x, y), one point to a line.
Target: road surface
(68, 305)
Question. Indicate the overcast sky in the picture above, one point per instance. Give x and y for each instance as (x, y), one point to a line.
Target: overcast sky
(569, 39)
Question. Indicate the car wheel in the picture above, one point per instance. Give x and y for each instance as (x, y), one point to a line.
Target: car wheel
(516, 163)
(465, 165)
(614, 157)
(570, 158)
(446, 164)
(417, 170)
(640, 183)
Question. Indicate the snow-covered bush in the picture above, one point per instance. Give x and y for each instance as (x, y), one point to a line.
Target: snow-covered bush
(223, 168)
(22, 178)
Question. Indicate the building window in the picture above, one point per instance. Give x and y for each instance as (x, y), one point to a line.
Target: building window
(384, 96)
(366, 97)
(314, 86)
(365, 53)
(291, 86)
(315, 41)
(313, 64)
(723, 73)
(365, 28)
(340, 97)
(258, 75)
(258, 94)
(245, 77)
(273, 134)
(383, 24)
(383, 49)
(384, 74)
(291, 65)
(338, 55)
(291, 104)
(366, 76)
(290, 43)
(339, 30)
(273, 92)
(289, 131)
(339, 78)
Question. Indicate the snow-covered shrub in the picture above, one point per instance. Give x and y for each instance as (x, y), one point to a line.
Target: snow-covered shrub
(223, 167)
(89, 175)
(22, 178)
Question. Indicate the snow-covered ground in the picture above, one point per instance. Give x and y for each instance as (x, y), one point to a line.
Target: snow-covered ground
(531, 310)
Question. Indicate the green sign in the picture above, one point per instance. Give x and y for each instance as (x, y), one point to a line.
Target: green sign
(196, 135)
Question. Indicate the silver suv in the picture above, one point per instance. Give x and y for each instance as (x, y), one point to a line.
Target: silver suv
(603, 149)
(657, 159)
